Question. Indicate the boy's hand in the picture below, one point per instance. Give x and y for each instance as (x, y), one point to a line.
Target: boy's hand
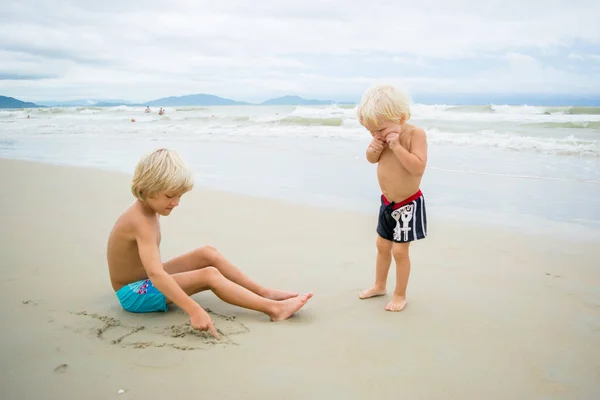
(201, 320)
(376, 145)
(393, 140)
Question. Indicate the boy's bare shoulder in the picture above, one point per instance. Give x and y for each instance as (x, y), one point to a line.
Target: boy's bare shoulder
(416, 135)
(417, 131)
(133, 221)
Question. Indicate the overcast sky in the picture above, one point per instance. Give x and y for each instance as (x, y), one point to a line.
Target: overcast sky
(253, 50)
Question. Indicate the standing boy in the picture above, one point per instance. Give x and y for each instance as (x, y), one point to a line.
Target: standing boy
(400, 149)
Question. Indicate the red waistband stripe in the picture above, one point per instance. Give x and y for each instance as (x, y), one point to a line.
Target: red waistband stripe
(403, 202)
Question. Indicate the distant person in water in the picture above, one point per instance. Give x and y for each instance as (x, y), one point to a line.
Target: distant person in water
(144, 283)
(147, 111)
(400, 151)
(161, 111)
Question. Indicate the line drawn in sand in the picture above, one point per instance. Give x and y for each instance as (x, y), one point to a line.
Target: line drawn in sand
(178, 336)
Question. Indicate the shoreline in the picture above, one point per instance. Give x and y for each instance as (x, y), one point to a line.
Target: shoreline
(586, 231)
(492, 313)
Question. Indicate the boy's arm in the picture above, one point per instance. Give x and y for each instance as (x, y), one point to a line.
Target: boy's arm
(150, 257)
(372, 156)
(374, 151)
(414, 160)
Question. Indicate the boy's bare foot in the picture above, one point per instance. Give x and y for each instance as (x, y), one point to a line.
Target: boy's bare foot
(372, 292)
(286, 308)
(397, 304)
(276, 294)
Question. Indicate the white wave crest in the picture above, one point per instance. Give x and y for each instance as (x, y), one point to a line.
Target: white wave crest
(490, 139)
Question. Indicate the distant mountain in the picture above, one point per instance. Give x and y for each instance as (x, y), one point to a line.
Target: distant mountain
(194, 100)
(423, 98)
(295, 101)
(189, 100)
(11, 102)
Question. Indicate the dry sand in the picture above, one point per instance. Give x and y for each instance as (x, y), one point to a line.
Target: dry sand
(492, 314)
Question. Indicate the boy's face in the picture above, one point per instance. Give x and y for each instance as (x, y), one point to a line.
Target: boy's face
(385, 128)
(164, 203)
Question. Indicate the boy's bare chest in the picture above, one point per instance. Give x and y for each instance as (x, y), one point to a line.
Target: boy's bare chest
(389, 164)
(390, 158)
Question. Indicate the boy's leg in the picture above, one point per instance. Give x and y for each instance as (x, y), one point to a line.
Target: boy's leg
(209, 256)
(400, 252)
(210, 278)
(382, 266)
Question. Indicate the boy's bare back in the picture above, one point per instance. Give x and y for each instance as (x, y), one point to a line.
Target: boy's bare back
(124, 263)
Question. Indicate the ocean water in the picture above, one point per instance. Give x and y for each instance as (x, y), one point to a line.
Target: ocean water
(515, 165)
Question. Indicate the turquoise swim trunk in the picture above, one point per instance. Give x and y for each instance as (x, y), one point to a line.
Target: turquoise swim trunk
(141, 297)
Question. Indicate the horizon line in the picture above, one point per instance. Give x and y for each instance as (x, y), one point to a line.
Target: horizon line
(548, 99)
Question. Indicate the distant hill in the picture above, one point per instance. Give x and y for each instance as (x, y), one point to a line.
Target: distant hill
(11, 102)
(295, 101)
(194, 100)
(188, 100)
(211, 100)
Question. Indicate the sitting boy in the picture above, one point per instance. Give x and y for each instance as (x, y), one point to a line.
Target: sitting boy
(143, 283)
(400, 151)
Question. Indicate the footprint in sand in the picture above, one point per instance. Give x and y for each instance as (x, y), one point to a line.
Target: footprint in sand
(61, 369)
(552, 275)
(179, 336)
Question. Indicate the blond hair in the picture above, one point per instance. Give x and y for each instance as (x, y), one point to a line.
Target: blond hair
(161, 171)
(383, 102)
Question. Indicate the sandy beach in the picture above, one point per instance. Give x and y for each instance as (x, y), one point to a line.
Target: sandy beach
(493, 313)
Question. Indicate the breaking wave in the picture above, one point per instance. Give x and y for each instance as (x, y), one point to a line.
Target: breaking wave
(304, 121)
(524, 109)
(568, 125)
(490, 139)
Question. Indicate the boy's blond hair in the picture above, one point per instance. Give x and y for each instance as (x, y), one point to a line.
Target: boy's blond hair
(383, 102)
(161, 171)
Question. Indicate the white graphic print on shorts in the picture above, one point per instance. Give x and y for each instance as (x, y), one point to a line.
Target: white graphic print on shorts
(404, 214)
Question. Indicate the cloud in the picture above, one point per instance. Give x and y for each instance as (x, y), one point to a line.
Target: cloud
(141, 50)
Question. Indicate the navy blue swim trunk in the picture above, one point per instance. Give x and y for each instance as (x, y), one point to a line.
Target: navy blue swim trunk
(403, 222)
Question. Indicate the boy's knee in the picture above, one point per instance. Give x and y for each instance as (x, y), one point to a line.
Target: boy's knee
(208, 253)
(211, 275)
(383, 245)
(400, 251)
